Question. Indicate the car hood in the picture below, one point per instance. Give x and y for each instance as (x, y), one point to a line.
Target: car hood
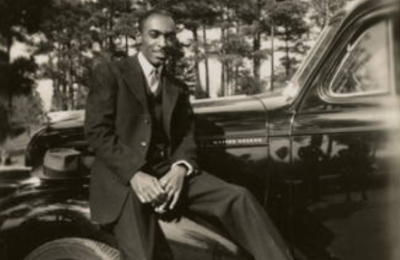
(12, 178)
(240, 104)
(235, 104)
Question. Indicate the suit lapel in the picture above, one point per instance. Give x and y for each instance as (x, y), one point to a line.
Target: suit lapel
(134, 78)
(170, 96)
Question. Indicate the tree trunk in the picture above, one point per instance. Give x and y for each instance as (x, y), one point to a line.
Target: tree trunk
(8, 63)
(223, 67)
(64, 94)
(58, 95)
(256, 49)
(236, 83)
(110, 27)
(287, 65)
(236, 72)
(63, 82)
(207, 76)
(70, 97)
(198, 89)
(126, 45)
(127, 9)
(272, 76)
(228, 80)
(57, 102)
(257, 42)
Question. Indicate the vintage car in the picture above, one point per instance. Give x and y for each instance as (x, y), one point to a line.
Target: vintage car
(323, 158)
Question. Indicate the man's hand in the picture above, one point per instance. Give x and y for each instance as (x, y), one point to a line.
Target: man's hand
(147, 187)
(172, 183)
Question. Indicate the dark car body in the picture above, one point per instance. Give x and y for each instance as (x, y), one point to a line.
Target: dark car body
(323, 158)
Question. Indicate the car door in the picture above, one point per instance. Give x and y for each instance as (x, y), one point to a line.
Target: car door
(345, 151)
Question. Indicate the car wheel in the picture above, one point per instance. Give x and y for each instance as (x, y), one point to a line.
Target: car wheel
(74, 249)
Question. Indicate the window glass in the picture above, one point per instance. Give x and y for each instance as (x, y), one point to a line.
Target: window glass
(365, 66)
(305, 70)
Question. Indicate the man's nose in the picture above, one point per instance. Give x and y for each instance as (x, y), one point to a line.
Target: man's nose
(162, 41)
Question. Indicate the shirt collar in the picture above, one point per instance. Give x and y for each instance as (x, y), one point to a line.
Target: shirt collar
(147, 66)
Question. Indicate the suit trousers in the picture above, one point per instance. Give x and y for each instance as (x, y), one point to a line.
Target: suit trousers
(140, 237)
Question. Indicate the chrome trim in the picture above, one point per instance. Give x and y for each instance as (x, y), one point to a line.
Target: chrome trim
(234, 141)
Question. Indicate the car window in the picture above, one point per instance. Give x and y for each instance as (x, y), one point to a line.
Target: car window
(308, 64)
(364, 68)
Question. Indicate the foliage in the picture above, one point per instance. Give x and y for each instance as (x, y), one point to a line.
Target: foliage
(323, 10)
(19, 19)
(17, 78)
(113, 26)
(288, 16)
(29, 110)
(20, 76)
(249, 85)
(192, 15)
(66, 41)
(74, 35)
(182, 67)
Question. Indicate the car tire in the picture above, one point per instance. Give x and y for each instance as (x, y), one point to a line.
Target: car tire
(74, 248)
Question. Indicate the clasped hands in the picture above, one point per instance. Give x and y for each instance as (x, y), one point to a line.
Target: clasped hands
(163, 194)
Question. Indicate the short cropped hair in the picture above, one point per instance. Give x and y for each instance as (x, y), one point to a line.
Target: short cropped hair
(146, 15)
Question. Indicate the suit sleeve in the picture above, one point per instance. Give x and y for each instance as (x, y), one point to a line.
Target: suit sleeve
(187, 148)
(100, 127)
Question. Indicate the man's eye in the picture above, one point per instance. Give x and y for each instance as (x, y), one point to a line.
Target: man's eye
(154, 35)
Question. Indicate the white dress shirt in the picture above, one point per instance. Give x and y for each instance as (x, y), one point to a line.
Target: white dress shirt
(151, 73)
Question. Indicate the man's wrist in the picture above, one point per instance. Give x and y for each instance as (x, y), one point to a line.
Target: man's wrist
(182, 163)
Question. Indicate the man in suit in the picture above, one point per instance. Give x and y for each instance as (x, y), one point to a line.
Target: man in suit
(140, 124)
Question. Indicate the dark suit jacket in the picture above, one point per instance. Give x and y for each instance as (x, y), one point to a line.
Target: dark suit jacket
(118, 128)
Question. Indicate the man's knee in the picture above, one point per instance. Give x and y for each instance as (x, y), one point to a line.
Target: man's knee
(241, 194)
(236, 203)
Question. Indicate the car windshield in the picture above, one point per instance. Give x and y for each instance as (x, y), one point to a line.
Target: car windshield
(326, 36)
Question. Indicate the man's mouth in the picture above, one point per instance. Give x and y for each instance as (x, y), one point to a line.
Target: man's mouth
(160, 54)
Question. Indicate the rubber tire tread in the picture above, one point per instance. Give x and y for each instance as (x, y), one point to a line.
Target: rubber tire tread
(74, 248)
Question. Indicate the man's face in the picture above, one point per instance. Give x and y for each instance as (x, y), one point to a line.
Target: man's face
(158, 35)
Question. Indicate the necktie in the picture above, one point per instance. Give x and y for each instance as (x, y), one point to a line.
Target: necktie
(154, 80)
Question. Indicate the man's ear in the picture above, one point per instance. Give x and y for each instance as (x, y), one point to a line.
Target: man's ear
(139, 38)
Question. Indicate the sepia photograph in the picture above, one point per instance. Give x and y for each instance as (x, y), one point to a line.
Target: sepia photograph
(199, 130)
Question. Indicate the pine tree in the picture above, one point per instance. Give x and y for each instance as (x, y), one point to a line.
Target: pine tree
(67, 44)
(323, 10)
(194, 15)
(19, 19)
(288, 16)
